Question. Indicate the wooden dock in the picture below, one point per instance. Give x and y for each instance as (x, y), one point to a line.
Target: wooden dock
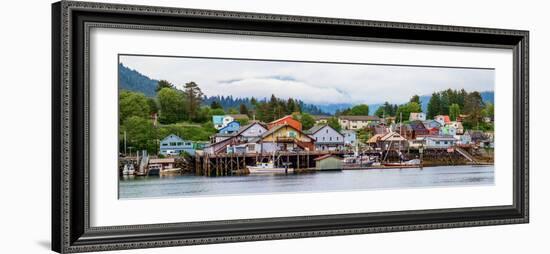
(231, 163)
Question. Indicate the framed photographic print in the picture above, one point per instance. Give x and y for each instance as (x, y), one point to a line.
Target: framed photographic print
(181, 126)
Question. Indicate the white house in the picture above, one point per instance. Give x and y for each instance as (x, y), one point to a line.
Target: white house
(326, 138)
(419, 116)
(357, 122)
(442, 141)
(458, 126)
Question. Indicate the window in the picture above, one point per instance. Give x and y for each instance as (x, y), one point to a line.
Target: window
(323, 138)
(330, 138)
(180, 143)
(172, 143)
(437, 142)
(164, 144)
(188, 143)
(327, 131)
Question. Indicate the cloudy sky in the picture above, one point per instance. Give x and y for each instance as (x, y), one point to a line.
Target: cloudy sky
(317, 83)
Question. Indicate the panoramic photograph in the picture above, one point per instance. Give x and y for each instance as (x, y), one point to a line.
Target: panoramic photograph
(197, 126)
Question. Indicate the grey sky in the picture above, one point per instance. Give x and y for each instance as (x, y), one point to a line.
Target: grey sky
(318, 83)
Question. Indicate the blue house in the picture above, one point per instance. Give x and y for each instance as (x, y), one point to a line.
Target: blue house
(230, 128)
(174, 145)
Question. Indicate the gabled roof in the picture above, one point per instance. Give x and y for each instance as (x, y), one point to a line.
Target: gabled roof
(375, 138)
(393, 136)
(282, 118)
(278, 127)
(417, 125)
(360, 118)
(317, 128)
(246, 127)
(173, 136)
(228, 124)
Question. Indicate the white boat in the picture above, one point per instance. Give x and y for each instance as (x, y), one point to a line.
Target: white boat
(128, 169)
(268, 168)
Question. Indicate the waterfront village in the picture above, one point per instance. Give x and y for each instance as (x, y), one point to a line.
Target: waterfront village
(244, 145)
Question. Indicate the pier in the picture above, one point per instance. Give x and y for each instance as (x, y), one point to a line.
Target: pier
(230, 164)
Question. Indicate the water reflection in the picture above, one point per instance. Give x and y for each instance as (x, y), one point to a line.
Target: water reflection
(189, 186)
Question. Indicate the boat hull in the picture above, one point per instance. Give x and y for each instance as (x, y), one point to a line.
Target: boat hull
(261, 170)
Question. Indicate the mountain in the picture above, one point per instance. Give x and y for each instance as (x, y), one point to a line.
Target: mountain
(131, 80)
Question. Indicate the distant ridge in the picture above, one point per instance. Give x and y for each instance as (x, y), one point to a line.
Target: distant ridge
(132, 80)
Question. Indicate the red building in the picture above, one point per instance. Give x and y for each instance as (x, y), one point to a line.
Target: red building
(286, 120)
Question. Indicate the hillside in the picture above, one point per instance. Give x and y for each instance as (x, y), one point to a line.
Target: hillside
(132, 80)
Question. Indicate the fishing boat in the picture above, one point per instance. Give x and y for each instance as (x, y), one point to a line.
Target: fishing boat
(268, 168)
(128, 169)
(414, 163)
(357, 162)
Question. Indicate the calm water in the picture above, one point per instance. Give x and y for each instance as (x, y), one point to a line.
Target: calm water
(186, 186)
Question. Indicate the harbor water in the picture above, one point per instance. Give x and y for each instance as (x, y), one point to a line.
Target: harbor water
(346, 180)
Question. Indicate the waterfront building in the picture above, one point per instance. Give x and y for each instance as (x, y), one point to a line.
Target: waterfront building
(286, 138)
(350, 137)
(442, 119)
(388, 141)
(326, 138)
(172, 144)
(221, 121)
(246, 140)
(231, 127)
(328, 162)
(162, 163)
(417, 116)
(357, 122)
(438, 142)
(251, 131)
(286, 120)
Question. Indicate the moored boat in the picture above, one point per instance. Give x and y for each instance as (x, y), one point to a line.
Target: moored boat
(404, 164)
(128, 169)
(268, 168)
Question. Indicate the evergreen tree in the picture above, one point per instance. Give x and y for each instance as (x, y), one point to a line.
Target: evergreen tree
(434, 106)
(193, 98)
(454, 111)
(163, 84)
(415, 98)
(215, 105)
(243, 109)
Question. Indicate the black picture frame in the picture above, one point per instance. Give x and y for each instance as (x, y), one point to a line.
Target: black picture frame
(71, 231)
